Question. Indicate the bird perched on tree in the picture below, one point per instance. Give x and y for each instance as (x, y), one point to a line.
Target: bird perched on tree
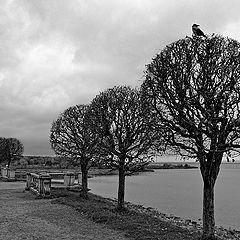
(197, 31)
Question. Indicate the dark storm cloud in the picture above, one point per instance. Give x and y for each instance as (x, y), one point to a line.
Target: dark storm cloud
(59, 53)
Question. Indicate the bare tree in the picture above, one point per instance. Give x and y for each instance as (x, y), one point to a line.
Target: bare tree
(11, 149)
(193, 88)
(125, 136)
(71, 137)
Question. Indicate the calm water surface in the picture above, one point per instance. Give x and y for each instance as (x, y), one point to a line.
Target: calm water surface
(179, 191)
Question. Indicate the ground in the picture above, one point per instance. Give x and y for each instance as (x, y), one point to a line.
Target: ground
(70, 216)
(24, 217)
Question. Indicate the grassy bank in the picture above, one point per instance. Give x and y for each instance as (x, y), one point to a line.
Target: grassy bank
(137, 222)
(135, 225)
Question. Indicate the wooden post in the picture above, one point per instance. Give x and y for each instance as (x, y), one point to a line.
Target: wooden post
(79, 178)
(28, 182)
(11, 173)
(69, 179)
(8, 172)
(4, 172)
(44, 187)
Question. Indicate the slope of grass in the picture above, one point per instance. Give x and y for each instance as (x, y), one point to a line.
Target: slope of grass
(136, 225)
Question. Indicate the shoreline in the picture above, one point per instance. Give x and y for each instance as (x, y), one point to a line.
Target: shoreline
(191, 225)
(170, 166)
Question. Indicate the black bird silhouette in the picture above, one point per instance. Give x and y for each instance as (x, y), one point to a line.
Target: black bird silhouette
(197, 31)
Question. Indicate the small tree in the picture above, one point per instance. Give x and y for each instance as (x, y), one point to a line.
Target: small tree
(2, 149)
(71, 137)
(11, 149)
(125, 136)
(193, 88)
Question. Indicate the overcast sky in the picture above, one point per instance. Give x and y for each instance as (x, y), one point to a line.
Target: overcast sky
(58, 53)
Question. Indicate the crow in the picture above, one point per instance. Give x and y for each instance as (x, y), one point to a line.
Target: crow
(197, 31)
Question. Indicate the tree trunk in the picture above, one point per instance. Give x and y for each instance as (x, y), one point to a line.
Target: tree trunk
(84, 192)
(8, 154)
(9, 161)
(208, 210)
(121, 187)
(209, 171)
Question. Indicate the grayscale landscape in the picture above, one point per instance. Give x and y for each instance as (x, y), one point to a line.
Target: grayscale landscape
(119, 120)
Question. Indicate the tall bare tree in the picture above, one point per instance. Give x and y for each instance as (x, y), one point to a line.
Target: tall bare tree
(11, 149)
(193, 88)
(70, 136)
(125, 135)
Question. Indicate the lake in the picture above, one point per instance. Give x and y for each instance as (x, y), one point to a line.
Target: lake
(179, 192)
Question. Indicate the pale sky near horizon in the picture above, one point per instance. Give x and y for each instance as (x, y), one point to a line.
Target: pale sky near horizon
(59, 53)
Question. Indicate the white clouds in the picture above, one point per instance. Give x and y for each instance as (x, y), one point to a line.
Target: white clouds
(55, 96)
(232, 30)
(52, 58)
(1, 79)
(58, 53)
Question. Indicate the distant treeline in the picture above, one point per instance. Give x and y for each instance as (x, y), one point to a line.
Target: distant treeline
(49, 161)
(44, 161)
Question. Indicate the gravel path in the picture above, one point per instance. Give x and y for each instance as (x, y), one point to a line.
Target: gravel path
(24, 217)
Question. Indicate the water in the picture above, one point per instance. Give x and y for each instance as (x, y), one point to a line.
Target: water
(179, 191)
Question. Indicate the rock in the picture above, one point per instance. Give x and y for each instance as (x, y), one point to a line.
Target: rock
(187, 221)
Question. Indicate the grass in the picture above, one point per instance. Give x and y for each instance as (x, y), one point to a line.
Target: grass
(135, 225)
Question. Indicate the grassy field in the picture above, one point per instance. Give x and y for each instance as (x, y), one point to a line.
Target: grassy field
(23, 216)
(135, 222)
(135, 225)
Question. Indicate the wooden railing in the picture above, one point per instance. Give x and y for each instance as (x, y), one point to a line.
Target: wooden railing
(39, 184)
(67, 178)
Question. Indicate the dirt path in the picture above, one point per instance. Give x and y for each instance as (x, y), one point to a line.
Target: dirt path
(24, 217)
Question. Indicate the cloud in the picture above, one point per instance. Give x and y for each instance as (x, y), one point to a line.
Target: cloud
(58, 53)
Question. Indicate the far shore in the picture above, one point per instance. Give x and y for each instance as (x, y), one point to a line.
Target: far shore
(170, 166)
(94, 171)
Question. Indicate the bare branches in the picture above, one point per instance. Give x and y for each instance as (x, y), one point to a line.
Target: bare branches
(10, 149)
(118, 119)
(193, 87)
(125, 130)
(70, 135)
